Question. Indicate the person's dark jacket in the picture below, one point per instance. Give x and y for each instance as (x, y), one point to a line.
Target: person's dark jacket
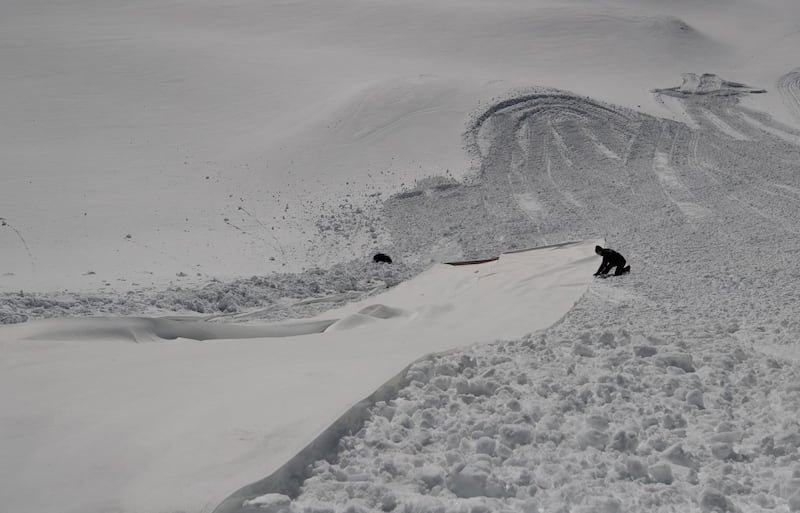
(610, 259)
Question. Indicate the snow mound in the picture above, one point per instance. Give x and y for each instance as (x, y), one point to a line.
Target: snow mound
(708, 83)
(367, 315)
(670, 25)
(382, 311)
(155, 330)
(277, 296)
(352, 321)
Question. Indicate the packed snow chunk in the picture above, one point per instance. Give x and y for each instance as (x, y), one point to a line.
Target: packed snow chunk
(228, 304)
(530, 506)
(476, 387)
(787, 442)
(467, 481)
(792, 486)
(592, 438)
(661, 473)
(485, 445)
(695, 397)
(446, 368)
(602, 505)
(723, 451)
(624, 441)
(673, 421)
(426, 419)
(725, 436)
(607, 339)
(794, 502)
(382, 311)
(712, 501)
(388, 502)
(12, 318)
(644, 351)
(581, 349)
(682, 361)
(416, 504)
(678, 456)
(473, 480)
(600, 422)
(431, 475)
(270, 503)
(781, 444)
(420, 371)
(609, 505)
(632, 469)
(442, 382)
(514, 435)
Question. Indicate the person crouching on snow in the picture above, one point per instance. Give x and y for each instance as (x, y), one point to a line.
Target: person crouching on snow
(611, 259)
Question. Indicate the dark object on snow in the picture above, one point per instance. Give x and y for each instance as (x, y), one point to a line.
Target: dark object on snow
(382, 258)
(611, 259)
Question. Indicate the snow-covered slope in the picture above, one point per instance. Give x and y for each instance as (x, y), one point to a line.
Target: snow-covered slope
(160, 142)
(157, 143)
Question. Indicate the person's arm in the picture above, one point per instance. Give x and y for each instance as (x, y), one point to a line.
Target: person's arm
(603, 269)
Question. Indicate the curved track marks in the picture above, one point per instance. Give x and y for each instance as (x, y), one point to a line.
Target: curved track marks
(789, 88)
(557, 166)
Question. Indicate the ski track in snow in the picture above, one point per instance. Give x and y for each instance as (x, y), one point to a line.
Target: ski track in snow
(652, 393)
(789, 88)
(723, 126)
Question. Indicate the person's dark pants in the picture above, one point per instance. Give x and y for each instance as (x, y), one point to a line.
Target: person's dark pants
(620, 268)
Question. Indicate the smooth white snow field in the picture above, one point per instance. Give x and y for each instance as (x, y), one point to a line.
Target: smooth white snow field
(137, 415)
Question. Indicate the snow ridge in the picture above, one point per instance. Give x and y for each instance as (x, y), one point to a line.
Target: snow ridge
(278, 296)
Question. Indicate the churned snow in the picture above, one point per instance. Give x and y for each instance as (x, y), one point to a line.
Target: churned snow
(216, 176)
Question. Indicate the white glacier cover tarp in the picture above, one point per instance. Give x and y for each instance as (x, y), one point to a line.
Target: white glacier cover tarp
(93, 421)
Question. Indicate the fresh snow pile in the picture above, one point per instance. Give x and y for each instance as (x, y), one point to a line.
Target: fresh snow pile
(273, 297)
(708, 83)
(606, 422)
